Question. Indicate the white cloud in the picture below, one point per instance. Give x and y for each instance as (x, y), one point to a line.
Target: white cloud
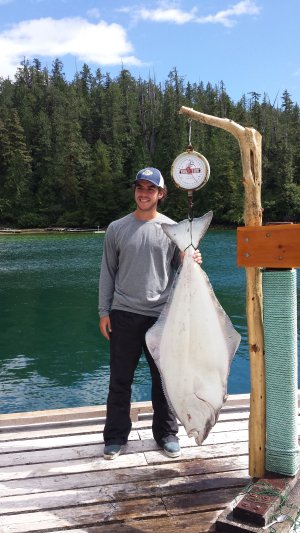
(166, 15)
(100, 43)
(167, 12)
(227, 17)
(297, 72)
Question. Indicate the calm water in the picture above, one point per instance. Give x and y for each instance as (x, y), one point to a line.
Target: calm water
(51, 352)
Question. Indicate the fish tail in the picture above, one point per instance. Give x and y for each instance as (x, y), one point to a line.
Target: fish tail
(188, 232)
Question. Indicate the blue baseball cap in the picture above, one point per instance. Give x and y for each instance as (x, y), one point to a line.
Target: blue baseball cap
(151, 174)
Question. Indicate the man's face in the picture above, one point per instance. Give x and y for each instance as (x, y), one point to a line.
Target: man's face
(147, 195)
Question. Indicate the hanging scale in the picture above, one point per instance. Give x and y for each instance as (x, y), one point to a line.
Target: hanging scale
(190, 171)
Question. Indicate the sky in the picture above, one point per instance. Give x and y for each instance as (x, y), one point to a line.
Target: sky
(249, 45)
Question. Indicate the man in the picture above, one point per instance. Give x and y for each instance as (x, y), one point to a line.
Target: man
(138, 265)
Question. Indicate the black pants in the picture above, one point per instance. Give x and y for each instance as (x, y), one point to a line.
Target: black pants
(126, 346)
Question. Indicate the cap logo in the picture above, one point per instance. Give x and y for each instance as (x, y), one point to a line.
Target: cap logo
(151, 174)
(147, 172)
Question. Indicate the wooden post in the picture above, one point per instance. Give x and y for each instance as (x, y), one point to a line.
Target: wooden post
(250, 147)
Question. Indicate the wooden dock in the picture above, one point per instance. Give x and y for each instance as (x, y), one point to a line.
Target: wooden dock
(53, 476)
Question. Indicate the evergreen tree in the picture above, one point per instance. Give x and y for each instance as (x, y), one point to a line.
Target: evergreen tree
(101, 191)
(15, 168)
(68, 147)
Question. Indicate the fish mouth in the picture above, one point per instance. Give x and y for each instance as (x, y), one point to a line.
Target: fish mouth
(193, 433)
(199, 436)
(205, 423)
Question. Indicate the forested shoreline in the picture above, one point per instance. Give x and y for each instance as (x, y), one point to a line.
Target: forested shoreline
(69, 150)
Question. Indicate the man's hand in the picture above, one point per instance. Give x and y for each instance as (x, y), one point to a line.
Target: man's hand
(197, 256)
(105, 327)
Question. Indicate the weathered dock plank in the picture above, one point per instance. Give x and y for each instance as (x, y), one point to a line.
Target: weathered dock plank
(123, 491)
(143, 429)
(115, 511)
(195, 523)
(53, 476)
(91, 412)
(133, 525)
(96, 462)
(116, 475)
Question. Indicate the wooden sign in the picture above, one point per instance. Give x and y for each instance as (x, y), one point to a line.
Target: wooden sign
(271, 246)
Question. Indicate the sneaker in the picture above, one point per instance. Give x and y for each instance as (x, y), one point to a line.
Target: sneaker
(172, 449)
(111, 451)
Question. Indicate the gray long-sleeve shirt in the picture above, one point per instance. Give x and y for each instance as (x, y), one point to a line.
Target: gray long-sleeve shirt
(138, 266)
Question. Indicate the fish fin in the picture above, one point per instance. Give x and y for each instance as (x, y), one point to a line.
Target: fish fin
(154, 334)
(153, 338)
(188, 232)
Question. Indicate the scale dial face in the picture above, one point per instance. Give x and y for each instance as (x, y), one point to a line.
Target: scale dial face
(190, 171)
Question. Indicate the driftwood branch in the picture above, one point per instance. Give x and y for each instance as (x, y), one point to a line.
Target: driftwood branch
(249, 141)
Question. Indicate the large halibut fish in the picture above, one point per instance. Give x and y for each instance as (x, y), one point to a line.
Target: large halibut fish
(193, 341)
